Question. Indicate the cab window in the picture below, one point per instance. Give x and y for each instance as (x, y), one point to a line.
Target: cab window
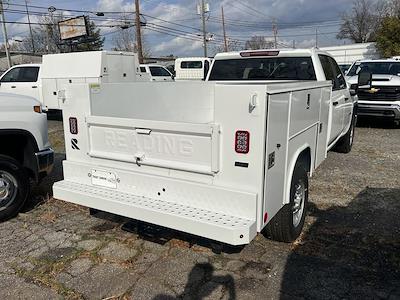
(332, 72)
(21, 74)
(158, 71)
(191, 65)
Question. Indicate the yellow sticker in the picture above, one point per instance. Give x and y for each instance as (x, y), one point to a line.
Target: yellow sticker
(94, 87)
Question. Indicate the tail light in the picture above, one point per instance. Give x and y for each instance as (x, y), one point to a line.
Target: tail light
(73, 125)
(242, 141)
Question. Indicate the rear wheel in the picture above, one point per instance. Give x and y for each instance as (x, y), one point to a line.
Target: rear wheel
(14, 187)
(288, 223)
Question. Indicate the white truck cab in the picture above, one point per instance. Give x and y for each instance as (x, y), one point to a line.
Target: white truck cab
(228, 161)
(157, 72)
(22, 80)
(25, 152)
(192, 68)
(381, 98)
(287, 65)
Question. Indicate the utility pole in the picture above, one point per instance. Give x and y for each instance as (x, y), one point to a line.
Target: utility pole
(294, 44)
(30, 27)
(6, 45)
(203, 18)
(138, 32)
(316, 37)
(275, 32)
(223, 29)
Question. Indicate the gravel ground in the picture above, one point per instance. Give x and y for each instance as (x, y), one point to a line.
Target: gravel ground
(350, 248)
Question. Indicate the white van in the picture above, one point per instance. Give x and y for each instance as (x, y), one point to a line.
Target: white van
(192, 68)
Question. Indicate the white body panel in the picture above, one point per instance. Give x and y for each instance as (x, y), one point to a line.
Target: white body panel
(170, 158)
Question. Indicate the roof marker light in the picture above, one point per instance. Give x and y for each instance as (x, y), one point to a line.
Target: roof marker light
(259, 53)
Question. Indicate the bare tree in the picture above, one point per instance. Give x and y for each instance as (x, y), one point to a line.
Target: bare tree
(233, 45)
(258, 42)
(125, 40)
(362, 23)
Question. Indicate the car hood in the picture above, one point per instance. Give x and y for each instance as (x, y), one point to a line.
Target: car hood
(18, 102)
(378, 79)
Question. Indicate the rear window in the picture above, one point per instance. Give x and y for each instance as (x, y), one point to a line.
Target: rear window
(191, 65)
(276, 68)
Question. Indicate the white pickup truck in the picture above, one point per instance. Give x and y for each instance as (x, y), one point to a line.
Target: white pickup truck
(222, 159)
(25, 152)
(381, 97)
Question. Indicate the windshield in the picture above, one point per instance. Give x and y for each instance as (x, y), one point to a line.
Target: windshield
(386, 68)
(276, 68)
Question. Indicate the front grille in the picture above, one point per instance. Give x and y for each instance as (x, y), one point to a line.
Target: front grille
(384, 93)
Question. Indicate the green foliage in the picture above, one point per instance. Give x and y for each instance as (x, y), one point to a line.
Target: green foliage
(94, 40)
(388, 37)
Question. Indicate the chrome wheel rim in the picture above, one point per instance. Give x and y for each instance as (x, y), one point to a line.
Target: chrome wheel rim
(298, 202)
(8, 188)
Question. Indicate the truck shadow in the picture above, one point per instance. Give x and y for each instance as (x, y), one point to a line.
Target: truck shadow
(44, 191)
(202, 282)
(376, 123)
(350, 252)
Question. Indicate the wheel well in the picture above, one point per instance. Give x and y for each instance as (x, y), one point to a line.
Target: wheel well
(21, 146)
(305, 159)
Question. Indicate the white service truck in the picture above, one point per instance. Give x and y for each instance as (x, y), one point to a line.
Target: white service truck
(46, 82)
(25, 153)
(222, 159)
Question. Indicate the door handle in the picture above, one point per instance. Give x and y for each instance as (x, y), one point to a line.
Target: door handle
(13, 86)
(346, 99)
(335, 103)
(34, 86)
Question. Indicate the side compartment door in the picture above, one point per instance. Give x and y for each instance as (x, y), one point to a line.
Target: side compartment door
(337, 99)
(276, 153)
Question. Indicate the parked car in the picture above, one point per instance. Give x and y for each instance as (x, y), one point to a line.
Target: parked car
(381, 97)
(46, 82)
(25, 153)
(225, 163)
(157, 72)
(192, 68)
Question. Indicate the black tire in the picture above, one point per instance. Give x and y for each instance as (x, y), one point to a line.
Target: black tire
(14, 187)
(282, 227)
(345, 143)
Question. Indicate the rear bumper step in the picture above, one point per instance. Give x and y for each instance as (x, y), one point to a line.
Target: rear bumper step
(213, 225)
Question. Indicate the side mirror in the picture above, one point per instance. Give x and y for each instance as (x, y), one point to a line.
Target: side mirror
(364, 79)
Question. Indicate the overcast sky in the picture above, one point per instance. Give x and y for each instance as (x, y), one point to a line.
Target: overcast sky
(297, 21)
